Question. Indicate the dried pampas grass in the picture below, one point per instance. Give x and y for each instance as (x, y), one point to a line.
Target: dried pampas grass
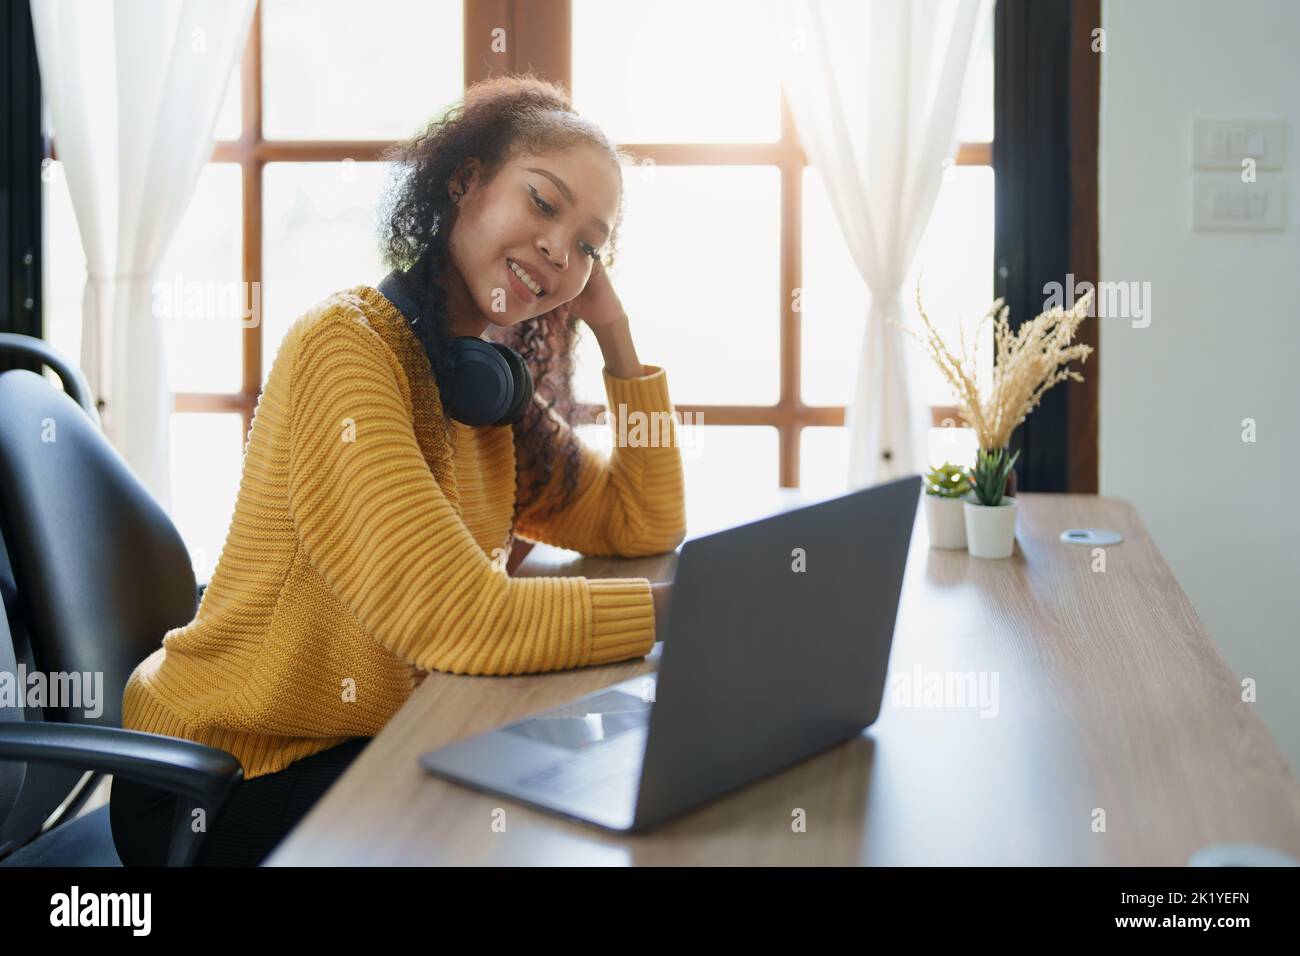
(1028, 362)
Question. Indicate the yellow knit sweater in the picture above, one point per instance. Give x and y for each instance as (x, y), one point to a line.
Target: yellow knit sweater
(363, 551)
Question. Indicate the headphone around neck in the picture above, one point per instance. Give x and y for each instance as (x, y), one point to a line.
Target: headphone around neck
(487, 383)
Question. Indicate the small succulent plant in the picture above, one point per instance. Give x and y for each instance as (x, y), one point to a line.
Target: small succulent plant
(989, 479)
(947, 481)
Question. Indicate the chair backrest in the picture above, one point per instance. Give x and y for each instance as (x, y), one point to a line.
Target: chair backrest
(12, 774)
(101, 572)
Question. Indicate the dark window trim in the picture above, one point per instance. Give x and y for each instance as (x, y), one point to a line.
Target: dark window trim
(20, 183)
(1045, 160)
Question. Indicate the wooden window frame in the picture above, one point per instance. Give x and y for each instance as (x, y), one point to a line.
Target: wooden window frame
(539, 38)
(543, 29)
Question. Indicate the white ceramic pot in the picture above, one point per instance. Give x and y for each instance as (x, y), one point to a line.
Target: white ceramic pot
(946, 520)
(990, 529)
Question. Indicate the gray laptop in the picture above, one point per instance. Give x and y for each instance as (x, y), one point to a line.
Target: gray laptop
(763, 666)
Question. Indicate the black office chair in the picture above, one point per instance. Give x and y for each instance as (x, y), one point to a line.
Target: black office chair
(92, 573)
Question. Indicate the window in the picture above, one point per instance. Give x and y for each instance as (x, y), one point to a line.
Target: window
(281, 217)
(718, 153)
(284, 212)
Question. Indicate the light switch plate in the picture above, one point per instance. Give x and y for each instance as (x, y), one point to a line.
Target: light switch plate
(1223, 144)
(1225, 202)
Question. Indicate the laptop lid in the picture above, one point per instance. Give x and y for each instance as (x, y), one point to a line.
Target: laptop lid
(778, 644)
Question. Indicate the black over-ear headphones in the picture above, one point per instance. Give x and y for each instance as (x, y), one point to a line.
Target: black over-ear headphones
(487, 383)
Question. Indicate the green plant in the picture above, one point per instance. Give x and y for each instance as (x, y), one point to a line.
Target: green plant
(947, 481)
(989, 478)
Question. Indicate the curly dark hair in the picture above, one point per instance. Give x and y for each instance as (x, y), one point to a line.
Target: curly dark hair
(496, 120)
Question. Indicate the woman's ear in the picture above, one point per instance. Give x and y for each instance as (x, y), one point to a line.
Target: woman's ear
(462, 178)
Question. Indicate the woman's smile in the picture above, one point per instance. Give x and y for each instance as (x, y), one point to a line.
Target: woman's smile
(518, 287)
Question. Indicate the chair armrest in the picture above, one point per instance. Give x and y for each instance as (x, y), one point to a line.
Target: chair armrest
(201, 776)
(73, 379)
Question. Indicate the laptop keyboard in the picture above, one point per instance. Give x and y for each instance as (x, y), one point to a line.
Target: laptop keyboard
(601, 771)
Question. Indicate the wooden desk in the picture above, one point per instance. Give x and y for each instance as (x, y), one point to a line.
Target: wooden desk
(1110, 697)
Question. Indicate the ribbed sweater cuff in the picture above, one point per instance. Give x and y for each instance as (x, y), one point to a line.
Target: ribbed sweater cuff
(623, 619)
(644, 392)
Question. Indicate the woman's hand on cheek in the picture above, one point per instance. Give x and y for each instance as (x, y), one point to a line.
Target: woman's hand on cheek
(598, 304)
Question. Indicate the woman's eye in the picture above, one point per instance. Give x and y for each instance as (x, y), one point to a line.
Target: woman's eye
(541, 203)
(546, 207)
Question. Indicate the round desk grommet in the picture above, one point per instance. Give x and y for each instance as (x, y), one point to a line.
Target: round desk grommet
(1093, 536)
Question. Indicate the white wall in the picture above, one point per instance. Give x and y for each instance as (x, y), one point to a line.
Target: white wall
(1224, 338)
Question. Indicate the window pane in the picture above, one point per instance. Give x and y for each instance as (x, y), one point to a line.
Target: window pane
(952, 444)
(699, 274)
(975, 120)
(955, 256)
(675, 71)
(331, 74)
(319, 236)
(198, 293)
(824, 459)
(206, 460)
(727, 469)
(824, 455)
(64, 265)
(196, 290)
(228, 120)
(723, 465)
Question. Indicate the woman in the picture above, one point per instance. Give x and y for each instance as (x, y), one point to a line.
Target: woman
(369, 535)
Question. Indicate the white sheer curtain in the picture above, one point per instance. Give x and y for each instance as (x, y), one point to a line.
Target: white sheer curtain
(134, 88)
(874, 88)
